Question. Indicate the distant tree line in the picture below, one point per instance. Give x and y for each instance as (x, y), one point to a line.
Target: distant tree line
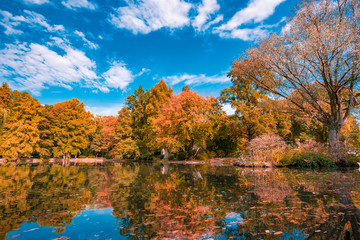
(154, 123)
(299, 84)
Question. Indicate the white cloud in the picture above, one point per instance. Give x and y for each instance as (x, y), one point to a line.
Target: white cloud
(246, 34)
(196, 79)
(111, 110)
(118, 76)
(89, 43)
(205, 12)
(228, 109)
(30, 18)
(38, 2)
(32, 67)
(73, 4)
(256, 11)
(151, 15)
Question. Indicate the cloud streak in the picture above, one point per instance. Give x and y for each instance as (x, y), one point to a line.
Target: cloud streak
(191, 79)
(76, 4)
(11, 23)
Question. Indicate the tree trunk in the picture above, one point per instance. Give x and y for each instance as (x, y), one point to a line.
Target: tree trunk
(190, 150)
(334, 137)
(165, 153)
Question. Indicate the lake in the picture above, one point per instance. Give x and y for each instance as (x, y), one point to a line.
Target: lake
(176, 201)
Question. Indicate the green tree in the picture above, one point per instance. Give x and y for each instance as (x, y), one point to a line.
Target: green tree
(145, 107)
(125, 143)
(257, 113)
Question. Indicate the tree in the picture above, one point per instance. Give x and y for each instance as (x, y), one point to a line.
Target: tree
(71, 126)
(257, 113)
(21, 134)
(5, 99)
(103, 139)
(313, 63)
(126, 145)
(145, 107)
(186, 121)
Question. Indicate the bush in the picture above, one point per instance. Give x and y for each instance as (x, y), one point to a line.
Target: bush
(181, 156)
(87, 156)
(267, 147)
(203, 155)
(306, 160)
(171, 156)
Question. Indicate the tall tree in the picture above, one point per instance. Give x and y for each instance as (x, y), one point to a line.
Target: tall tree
(186, 121)
(125, 143)
(21, 135)
(256, 112)
(71, 126)
(103, 140)
(5, 98)
(145, 107)
(314, 63)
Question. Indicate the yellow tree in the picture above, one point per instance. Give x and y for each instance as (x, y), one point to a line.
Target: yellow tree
(5, 98)
(21, 134)
(186, 121)
(70, 128)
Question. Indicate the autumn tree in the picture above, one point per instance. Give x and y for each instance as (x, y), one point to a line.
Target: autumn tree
(313, 63)
(256, 112)
(158, 96)
(187, 121)
(21, 134)
(144, 106)
(71, 126)
(125, 143)
(103, 140)
(5, 98)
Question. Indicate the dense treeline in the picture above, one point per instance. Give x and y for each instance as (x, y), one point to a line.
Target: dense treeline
(296, 86)
(154, 124)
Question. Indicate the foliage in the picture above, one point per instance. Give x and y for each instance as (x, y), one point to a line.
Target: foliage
(71, 126)
(21, 135)
(126, 145)
(267, 147)
(186, 121)
(306, 159)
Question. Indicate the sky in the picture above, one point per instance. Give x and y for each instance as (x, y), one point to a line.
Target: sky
(100, 51)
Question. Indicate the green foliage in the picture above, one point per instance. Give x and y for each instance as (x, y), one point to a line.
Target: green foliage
(306, 160)
(126, 145)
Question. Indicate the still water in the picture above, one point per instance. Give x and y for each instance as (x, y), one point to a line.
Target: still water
(177, 202)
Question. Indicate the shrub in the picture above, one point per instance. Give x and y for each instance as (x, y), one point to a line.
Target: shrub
(203, 155)
(267, 147)
(306, 159)
(171, 156)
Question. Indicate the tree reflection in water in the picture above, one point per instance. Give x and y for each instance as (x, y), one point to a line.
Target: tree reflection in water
(191, 202)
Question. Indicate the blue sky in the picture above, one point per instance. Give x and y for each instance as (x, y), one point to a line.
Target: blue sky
(100, 51)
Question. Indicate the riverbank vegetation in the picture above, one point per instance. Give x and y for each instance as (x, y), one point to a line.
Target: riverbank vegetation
(295, 96)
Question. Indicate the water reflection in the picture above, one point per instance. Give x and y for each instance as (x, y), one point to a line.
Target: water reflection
(177, 201)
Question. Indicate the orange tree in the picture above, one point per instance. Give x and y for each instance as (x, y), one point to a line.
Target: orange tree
(186, 121)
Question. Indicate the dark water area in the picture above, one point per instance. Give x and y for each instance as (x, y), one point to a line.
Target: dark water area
(177, 202)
